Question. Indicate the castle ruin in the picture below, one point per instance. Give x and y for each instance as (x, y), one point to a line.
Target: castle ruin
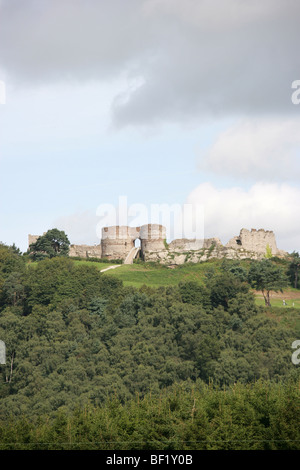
(148, 242)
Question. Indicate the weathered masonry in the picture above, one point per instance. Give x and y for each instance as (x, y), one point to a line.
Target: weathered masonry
(149, 243)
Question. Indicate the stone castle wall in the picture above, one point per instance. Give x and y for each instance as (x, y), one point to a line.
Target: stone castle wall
(76, 251)
(118, 241)
(248, 245)
(186, 245)
(33, 238)
(85, 251)
(152, 238)
(254, 240)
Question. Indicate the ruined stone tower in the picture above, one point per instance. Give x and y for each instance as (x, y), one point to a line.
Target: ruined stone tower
(255, 241)
(118, 241)
(153, 238)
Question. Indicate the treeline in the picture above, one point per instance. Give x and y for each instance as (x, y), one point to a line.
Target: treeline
(261, 416)
(75, 337)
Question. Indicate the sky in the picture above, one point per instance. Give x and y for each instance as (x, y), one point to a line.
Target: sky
(158, 102)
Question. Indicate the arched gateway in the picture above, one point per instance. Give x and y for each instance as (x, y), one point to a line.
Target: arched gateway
(118, 241)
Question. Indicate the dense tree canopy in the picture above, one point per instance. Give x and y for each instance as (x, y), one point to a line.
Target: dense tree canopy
(53, 243)
(74, 335)
(79, 338)
(294, 269)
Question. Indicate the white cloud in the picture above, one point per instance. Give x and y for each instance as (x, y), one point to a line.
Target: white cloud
(260, 149)
(264, 205)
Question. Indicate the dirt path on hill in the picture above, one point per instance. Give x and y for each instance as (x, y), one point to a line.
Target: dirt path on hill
(110, 267)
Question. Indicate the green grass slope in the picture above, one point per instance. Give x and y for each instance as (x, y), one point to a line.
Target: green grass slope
(157, 275)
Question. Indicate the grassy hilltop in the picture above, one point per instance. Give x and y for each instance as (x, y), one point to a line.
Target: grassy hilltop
(157, 275)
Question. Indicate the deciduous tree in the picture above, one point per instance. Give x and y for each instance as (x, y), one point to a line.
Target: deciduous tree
(266, 276)
(53, 243)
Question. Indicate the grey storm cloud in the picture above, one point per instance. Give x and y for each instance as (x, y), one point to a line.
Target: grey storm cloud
(191, 59)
